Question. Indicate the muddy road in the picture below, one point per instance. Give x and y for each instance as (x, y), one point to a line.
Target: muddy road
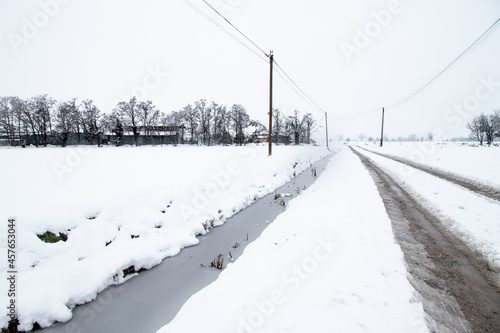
(457, 290)
(469, 184)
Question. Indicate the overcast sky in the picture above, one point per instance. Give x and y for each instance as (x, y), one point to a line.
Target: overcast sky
(349, 56)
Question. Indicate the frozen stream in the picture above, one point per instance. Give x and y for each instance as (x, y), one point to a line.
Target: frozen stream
(152, 299)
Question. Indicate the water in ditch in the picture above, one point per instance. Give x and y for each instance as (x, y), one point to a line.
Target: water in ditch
(150, 300)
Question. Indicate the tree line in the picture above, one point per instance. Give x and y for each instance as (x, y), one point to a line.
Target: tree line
(41, 120)
(485, 128)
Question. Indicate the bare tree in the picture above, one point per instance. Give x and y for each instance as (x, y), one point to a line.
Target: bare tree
(205, 116)
(191, 117)
(18, 106)
(91, 121)
(488, 128)
(28, 116)
(277, 126)
(7, 122)
(65, 120)
(308, 126)
(294, 126)
(240, 121)
(174, 118)
(129, 113)
(148, 115)
(477, 128)
(220, 125)
(116, 126)
(41, 106)
(495, 122)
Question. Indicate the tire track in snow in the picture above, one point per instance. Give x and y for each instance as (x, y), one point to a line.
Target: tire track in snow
(458, 292)
(470, 184)
(477, 257)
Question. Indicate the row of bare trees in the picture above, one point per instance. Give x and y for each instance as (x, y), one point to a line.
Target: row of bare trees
(41, 120)
(485, 128)
(293, 129)
(213, 124)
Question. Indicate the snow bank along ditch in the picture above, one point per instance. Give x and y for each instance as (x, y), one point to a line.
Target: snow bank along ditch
(122, 210)
(147, 302)
(329, 263)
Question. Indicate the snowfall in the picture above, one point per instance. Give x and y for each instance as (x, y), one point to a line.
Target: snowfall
(329, 263)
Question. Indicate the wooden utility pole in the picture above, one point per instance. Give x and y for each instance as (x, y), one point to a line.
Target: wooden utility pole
(271, 61)
(382, 134)
(326, 126)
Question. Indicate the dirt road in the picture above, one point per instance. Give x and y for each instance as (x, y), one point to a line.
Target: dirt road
(454, 283)
(470, 184)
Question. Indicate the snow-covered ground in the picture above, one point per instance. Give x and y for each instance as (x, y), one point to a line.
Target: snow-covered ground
(121, 207)
(329, 263)
(473, 218)
(466, 159)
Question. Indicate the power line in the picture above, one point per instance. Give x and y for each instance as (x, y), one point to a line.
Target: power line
(291, 83)
(215, 10)
(451, 64)
(295, 90)
(288, 80)
(428, 83)
(292, 87)
(223, 29)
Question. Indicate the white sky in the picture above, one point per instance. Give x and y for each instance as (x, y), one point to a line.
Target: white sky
(104, 50)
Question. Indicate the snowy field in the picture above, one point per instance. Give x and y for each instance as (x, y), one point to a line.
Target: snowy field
(121, 207)
(329, 263)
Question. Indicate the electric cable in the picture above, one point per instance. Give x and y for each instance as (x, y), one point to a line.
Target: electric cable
(288, 80)
(223, 29)
(305, 96)
(451, 64)
(428, 83)
(215, 10)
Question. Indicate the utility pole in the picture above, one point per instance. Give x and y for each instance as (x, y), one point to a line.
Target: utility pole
(271, 61)
(382, 134)
(326, 126)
